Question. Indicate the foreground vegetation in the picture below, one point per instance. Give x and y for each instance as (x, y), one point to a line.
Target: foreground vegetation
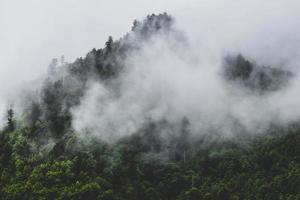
(269, 168)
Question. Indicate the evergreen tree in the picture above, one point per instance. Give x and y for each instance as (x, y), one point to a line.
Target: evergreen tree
(10, 120)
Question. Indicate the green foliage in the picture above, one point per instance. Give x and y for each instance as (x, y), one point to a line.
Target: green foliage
(268, 169)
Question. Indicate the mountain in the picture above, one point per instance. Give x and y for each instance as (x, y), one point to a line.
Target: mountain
(44, 156)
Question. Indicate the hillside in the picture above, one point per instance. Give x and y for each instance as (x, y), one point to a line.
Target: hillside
(93, 131)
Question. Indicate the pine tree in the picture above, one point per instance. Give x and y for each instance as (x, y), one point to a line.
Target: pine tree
(10, 120)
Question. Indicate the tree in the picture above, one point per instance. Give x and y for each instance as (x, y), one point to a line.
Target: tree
(55, 114)
(53, 66)
(10, 120)
(183, 141)
(108, 45)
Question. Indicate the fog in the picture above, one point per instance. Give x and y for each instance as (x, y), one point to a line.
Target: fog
(34, 32)
(172, 77)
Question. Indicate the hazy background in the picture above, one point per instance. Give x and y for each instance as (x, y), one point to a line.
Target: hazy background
(34, 31)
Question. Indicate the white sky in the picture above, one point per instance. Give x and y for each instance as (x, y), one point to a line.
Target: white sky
(32, 32)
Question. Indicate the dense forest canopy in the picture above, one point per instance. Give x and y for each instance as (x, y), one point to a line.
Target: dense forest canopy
(47, 151)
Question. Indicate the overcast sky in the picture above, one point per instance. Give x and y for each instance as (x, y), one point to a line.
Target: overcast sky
(35, 31)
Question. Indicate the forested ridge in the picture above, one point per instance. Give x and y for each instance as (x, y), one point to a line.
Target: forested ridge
(43, 157)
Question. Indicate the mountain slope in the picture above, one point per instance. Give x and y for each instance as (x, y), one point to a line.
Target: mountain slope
(42, 155)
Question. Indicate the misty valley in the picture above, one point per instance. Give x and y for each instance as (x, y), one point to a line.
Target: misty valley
(149, 116)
